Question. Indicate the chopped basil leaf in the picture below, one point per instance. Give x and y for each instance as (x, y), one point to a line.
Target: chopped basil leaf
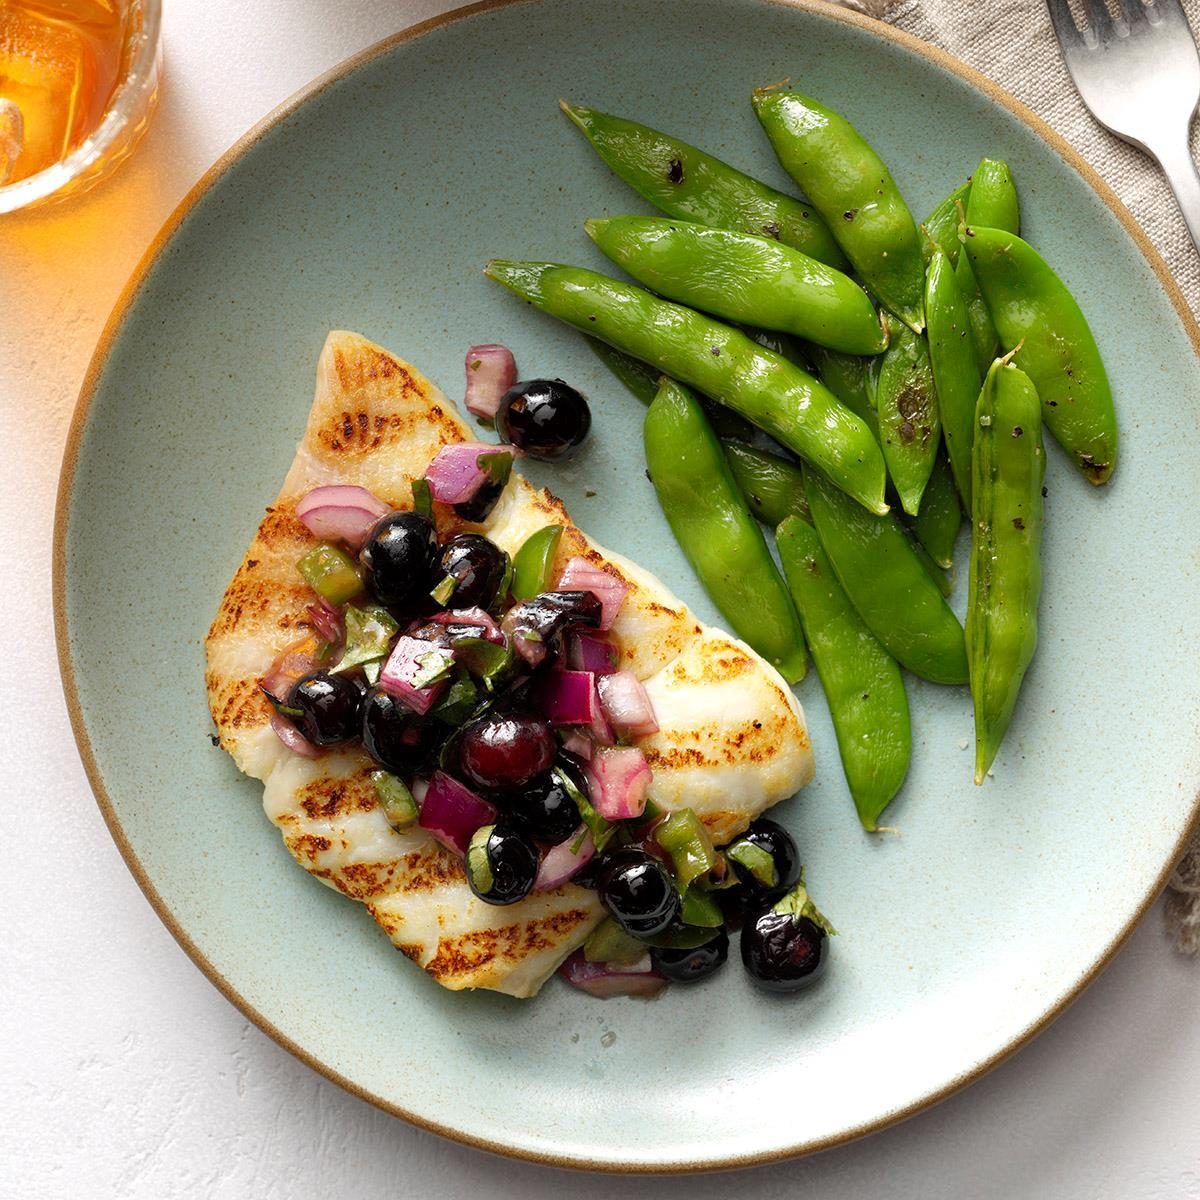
(608, 942)
(369, 633)
(485, 660)
(459, 701)
(600, 829)
(435, 667)
(699, 908)
(497, 466)
(798, 904)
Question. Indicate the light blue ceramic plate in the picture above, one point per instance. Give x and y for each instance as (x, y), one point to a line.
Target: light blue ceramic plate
(372, 205)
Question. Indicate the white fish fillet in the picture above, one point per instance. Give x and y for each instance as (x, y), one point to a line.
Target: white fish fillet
(732, 742)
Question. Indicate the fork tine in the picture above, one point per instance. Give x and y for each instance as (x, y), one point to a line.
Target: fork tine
(1099, 22)
(1133, 12)
(1171, 10)
(1065, 28)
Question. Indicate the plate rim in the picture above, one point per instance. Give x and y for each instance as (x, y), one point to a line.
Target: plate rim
(67, 477)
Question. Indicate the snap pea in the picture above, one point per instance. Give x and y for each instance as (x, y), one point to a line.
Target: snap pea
(743, 278)
(640, 378)
(1038, 318)
(898, 601)
(906, 406)
(956, 372)
(719, 361)
(687, 183)
(845, 375)
(851, 187)
(941, 226)
(861, 681)
(993, 203)
(713, 525)
(1009, 464)
(773, 487)
(940, 518)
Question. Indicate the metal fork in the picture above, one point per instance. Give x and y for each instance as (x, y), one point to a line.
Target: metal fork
(1140, 76)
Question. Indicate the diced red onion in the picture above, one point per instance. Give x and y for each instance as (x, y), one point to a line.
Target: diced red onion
(626, 704)
(452, 812)
(579, 575)
(618, 778)
(455, 475)
(491, 371)
(579, 744)
(613, 979)
(600, 731)
(586, 652)
(470, 616)
(341, 511)
(326, 621)
(418, 789)
(565, 861)
(297, 659)
(404, 665)
(292, 738)
(567, 697)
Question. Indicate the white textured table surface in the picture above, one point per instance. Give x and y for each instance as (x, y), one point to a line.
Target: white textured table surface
(126, 1074)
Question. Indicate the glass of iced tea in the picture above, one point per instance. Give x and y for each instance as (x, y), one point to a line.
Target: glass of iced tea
(78, 82)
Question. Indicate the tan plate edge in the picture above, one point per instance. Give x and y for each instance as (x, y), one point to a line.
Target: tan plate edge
(66, 666)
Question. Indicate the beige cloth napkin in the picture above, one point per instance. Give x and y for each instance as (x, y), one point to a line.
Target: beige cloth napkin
(1012, 42)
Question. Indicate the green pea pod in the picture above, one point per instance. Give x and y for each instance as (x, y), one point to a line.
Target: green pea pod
(941, 226)
(851, 187)
(861, 681)
(719, 361)
(642, 381)
(845, 375)
(940, 518)
(993, 204)
(773, 487)
(743, 278)
(906, 405)
(687, 183)
(897, 599)
(713, 525)
(956, 372)
(640, 378)
(1006, 577)
(1039, 319)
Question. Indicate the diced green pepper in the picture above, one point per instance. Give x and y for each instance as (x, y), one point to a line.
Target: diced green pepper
(395, 799)
(700, 909)
(330, 573)
(422, 497)
(445, 589)
(608, 942)
(369, 633)
(534, 562)
(434, 666)
(686, 840)
(756, 860)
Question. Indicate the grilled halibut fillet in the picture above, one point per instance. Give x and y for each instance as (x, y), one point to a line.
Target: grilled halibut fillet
(732, 740)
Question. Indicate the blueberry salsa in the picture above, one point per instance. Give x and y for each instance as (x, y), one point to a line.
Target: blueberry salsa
(487, 691)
